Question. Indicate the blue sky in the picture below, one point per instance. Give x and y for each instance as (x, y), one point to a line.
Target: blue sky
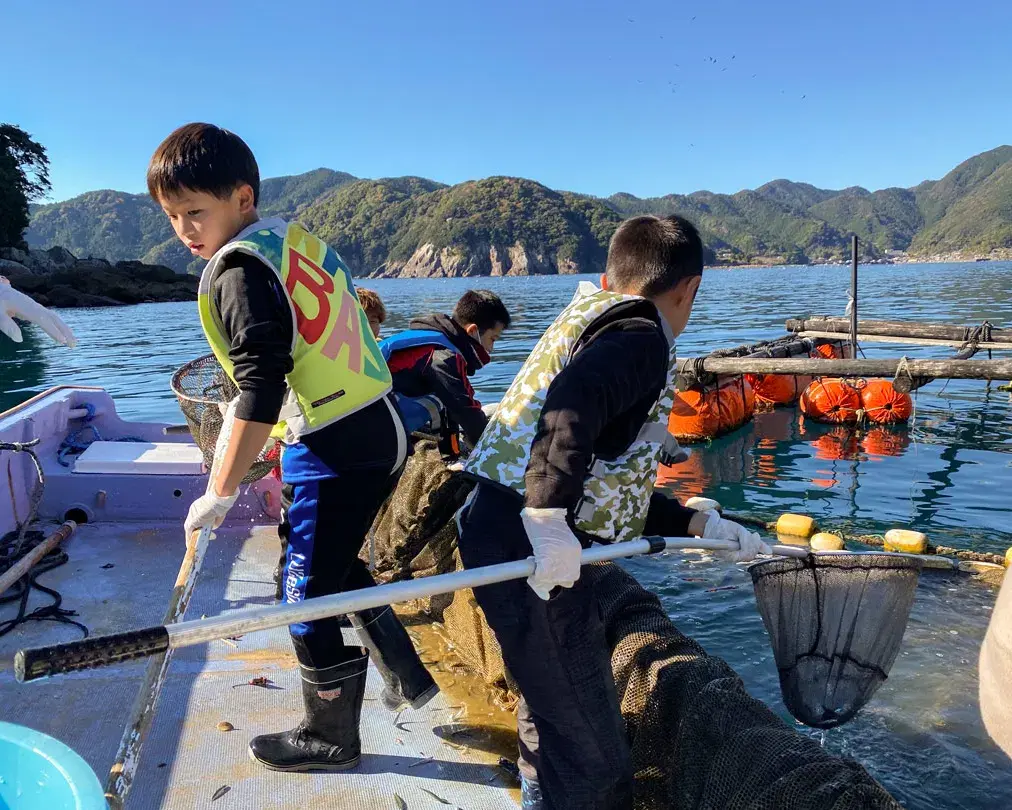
(596, 97)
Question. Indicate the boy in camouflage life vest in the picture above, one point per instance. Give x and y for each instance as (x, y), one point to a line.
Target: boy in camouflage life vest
(569, 458)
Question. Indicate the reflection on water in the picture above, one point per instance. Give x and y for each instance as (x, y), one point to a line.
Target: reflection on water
(945, 474)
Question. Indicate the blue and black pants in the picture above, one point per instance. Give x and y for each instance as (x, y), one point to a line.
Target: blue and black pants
(323, 528)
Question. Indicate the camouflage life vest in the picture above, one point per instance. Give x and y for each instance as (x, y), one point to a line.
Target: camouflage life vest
(616, 493)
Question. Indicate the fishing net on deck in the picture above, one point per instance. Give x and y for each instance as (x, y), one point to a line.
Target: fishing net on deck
(204, 390)
(835, 623)
(698, 739)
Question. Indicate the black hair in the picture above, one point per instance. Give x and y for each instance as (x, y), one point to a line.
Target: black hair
(483, 308)
(650, 255)
(202, 157)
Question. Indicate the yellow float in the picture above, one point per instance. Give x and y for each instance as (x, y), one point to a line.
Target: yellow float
(796, 525)
(906, 540)
(826, 541)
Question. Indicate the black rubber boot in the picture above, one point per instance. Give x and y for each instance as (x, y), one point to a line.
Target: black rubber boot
(327, 739)
(408, 682)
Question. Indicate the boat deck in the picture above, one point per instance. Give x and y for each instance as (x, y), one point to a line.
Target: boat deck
(445, 754)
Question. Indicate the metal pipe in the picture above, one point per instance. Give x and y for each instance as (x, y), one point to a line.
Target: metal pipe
(100, 651)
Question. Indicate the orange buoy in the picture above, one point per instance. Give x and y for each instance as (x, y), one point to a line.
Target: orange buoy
(776, 389)
(833, 400)
(829, 351)
(884, 404)
(748, 400)
(703, 412)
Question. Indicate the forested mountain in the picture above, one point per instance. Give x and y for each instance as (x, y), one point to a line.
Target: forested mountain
(410, 226)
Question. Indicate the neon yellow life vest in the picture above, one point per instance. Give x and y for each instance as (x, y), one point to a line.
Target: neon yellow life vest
(339, 368)
(616, 492)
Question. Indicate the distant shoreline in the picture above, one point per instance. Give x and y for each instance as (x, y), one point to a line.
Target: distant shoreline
(1004, 255)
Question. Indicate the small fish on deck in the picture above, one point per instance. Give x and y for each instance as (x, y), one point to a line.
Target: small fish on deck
(439, 799)
(259, 680)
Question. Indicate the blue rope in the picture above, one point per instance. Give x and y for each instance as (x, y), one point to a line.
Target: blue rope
(76, 443)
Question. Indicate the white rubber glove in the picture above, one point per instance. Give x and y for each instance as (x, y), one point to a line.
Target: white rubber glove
(208, 510)
(750, 544)
(556, 550)
(14, 304)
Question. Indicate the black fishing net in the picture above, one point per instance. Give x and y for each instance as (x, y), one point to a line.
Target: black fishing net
(698, 739)
(414, 533)
(203, 389)
(835, 622)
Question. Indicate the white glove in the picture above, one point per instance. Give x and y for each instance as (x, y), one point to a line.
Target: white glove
(750, 544)
(209, 511)
(14, 304)
(556, 550)
(489, 409)
(210, 508)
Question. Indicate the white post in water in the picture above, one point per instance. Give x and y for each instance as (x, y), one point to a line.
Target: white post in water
(853, 297)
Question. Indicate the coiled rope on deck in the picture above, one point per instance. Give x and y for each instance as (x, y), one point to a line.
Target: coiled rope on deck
(18, 543)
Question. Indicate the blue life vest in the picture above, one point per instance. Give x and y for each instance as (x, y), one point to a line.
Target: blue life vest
(424, 413)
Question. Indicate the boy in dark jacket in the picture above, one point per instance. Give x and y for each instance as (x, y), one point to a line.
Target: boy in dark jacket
(431, 362)
(569, 458)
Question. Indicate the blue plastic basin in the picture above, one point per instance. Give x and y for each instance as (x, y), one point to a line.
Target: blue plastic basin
(40, 773)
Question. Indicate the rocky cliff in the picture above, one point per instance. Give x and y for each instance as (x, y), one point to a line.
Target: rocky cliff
(57, 278)
(428, 261)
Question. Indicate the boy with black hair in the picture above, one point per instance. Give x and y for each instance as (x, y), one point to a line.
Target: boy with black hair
(280, 312)
(569, 458)
(431, 362)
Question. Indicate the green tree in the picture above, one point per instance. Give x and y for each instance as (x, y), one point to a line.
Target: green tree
(24, 177)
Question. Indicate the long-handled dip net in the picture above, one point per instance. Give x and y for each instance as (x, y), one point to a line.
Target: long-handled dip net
(204, 392)
(835, 622)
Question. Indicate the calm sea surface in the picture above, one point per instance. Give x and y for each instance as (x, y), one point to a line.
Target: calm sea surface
(948, 474)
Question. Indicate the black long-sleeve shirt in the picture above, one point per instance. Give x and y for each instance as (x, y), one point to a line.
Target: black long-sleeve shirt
(596, 407)
(257, 320)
